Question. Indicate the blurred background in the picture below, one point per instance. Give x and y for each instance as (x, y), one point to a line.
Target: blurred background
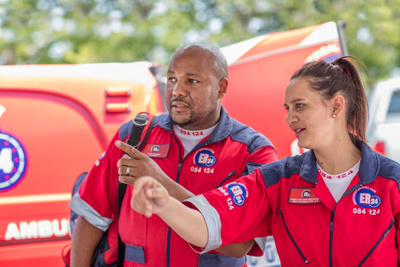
(34, 221)
(89, 31)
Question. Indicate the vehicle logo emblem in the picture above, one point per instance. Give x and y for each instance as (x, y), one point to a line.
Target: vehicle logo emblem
(13, 161)
(2, 110)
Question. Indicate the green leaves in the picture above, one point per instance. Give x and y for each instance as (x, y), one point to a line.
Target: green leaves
(77, 31)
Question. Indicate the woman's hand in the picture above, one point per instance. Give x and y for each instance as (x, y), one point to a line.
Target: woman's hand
(149, 196)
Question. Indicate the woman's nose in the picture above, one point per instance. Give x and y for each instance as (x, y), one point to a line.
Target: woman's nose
(291, 118)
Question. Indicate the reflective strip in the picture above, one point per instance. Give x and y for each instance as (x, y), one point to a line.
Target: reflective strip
(212, 219)
(261, 242)
(34, 199)
(134, 254)
(83, 209)
(217, 260)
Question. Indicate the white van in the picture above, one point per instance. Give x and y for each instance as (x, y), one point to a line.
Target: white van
(383, 132)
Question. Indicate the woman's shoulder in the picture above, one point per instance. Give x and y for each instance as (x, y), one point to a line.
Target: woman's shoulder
(388, 168)
(284, 168)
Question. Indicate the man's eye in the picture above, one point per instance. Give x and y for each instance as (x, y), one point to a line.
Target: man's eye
(299, 105)
(171, 80)
(192, 81)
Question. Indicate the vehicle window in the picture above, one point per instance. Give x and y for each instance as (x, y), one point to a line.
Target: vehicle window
(393, 114)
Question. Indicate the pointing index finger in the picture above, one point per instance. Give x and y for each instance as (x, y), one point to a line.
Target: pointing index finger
(130, 150)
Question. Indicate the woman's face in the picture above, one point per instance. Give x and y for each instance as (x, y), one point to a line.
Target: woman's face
(309, 115)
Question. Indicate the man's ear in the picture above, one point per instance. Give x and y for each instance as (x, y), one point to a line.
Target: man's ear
(223, 87)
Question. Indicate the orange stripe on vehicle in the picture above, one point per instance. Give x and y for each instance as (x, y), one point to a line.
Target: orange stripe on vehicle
(118, 108)
(118, 91)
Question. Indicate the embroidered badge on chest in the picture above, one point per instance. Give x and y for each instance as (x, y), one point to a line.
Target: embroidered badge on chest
(156, 150)
(205, 158)
(366, 197)
(203, 161)
(366, 201)
(303, 196)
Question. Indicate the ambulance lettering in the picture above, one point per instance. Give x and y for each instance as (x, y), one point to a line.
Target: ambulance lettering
(367, 201)
(37, 229)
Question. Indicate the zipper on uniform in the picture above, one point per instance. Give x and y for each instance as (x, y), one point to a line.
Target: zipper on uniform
(179, 172)
(377, 243)
(177, 181)
(331, 223)
(226, 178)
(180, 162)
(291, 237)
(168, 246)
(331, 237)
(351, 190)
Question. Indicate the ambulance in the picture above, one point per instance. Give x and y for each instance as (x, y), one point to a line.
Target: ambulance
(56, 120)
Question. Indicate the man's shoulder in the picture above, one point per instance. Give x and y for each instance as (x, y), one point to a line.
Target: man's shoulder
(126, 128)
(247, 135)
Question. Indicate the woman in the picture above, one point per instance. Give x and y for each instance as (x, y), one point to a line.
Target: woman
(335, 205)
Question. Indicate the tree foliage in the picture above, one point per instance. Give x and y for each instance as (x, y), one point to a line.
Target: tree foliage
(77, 31)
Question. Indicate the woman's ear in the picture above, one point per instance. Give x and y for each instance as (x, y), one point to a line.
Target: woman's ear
(338, 105)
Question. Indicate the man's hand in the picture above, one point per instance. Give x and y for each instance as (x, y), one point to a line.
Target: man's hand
(136, 165)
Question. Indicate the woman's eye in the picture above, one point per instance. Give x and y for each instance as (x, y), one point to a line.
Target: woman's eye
(192, 81)
(299, 105)
(171, 80)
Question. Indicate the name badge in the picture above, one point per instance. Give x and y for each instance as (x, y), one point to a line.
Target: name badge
(156, 150)
(303, 196)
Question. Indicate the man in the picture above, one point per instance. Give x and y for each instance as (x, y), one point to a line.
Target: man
(191, 149)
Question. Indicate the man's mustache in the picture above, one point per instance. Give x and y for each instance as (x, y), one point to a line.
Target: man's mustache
(178, 99)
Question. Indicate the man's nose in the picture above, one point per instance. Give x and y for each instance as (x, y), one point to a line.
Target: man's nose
(179, 90)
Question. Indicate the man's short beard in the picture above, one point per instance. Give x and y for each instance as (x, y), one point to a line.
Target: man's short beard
(186, 123)
(182, 125)
(195, 120)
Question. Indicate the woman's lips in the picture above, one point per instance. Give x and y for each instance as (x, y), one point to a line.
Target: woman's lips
(298, 131)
